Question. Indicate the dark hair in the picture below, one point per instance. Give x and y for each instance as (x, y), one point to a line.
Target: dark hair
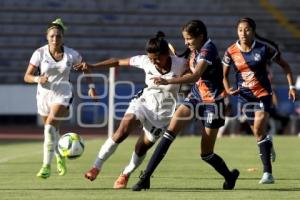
(252, 24)
(158, 44)
(193, 28)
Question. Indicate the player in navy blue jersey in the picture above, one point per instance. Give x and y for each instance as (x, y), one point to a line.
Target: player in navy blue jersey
(205, 101)
(249, 57)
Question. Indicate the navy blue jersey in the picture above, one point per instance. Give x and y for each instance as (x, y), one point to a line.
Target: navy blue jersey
(251, 68)
(210, 84)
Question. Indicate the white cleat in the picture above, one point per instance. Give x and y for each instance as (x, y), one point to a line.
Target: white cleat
(267, 178)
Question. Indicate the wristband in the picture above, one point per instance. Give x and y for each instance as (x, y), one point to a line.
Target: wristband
(92, 86)
(292, 87)
(36, 79)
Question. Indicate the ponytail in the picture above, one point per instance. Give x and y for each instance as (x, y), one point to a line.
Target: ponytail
(158, 44)
(270, 42)
(185, 54)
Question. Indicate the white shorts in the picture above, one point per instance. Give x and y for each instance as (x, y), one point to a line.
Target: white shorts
(46, 98)
(154, 109)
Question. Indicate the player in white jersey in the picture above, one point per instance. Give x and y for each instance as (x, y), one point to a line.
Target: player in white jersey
(54, 91)
(150, 110)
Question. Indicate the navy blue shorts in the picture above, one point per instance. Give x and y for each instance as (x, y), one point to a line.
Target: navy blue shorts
(211, 114)
(251, 105)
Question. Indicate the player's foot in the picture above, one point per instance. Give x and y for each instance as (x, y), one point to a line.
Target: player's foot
(92, 174)
(61, 165)
(230, 183)
(267, 178)
(121, 182)
(273, 153)
(44, 172)
(143, 183)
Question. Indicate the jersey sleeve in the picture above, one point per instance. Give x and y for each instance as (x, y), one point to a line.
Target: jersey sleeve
(206, 55)
(76, 58)
(138, 61)
(36, 58)
(227, 60)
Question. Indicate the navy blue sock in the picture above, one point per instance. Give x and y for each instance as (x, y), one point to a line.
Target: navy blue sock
(160, 152)
(218, 163)
(265, 146)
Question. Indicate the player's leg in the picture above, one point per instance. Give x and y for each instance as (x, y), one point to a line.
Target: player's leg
(128, 124)
(207, 154)
(51, 122)
(142, 145)
(180, 119)
(265, 145)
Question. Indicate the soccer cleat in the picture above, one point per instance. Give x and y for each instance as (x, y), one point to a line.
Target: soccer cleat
(44, 172)
(61, 165)
(143, 183)
(92, 174)
(230, 183)
(267, 178)
(121, 182)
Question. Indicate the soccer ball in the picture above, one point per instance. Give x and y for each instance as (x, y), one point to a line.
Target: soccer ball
(70, 145)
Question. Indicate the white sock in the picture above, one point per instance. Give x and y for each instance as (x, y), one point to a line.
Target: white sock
(57, 134)
(49, 143)
(134, 163)
(107, 149)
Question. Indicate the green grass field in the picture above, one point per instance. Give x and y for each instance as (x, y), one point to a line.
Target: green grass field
(181, 175)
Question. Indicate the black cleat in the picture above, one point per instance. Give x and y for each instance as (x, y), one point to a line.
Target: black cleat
(230, 183)
(143, 183)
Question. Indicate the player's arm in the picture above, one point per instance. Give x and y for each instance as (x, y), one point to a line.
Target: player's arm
(31, 78)
(187, 78)
(287, 69)
(113, 62)
(226, 83)
(92, 87)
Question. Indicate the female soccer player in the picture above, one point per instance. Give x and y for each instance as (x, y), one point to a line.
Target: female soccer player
(249, 57)
(54, 94)
(150, 110)
(205, 101)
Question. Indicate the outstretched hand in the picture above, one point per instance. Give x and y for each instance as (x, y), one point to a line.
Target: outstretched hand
(233, 92)
(159, 81)
(81, 66)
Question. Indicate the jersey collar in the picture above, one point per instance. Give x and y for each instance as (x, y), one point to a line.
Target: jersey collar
(240, 48)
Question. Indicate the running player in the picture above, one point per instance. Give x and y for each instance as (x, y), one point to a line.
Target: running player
(54, 92)
(249, 57)
(150, 110)
(205, 101)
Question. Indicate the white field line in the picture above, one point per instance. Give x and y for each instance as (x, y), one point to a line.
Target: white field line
(9, 158)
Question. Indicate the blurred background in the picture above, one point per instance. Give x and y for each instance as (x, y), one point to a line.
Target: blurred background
(101, 29)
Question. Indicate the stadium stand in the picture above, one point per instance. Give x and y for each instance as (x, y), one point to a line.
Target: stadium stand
(102, 29)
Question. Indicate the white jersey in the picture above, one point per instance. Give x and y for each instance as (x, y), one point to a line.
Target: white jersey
(58, 89)
(156, 105)
(178, 67)
(57, 71)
